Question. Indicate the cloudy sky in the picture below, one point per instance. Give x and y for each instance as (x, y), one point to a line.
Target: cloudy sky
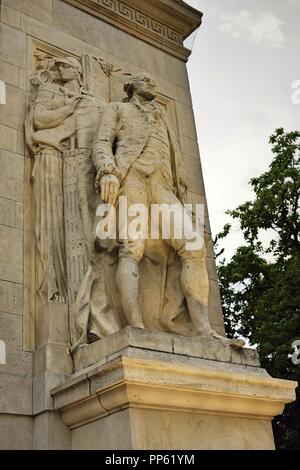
(245, 58)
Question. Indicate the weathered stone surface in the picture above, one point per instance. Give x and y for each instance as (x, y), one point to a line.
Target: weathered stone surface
(163, 25)
(18, 362)
(7, 297)
(138, 339)
(15, 394)
(211, 268)
(186, 121)
(188, 431)
(9, 73)
(78, 390)
(11, 297)
(11, 254)
(98, 435)
(54, 358)
(13, 113)
(50, 433)
(22, 82)
(7, 212)
(8, 138)
(184, 360)
(12, 45)
(16, 432)
(183, 397)
(204, 348)
(19, 216)
(10, 16)
(189, 146)
(58, 38)
(250, 357)
(12, 173)
(215, 310)
(236, 357)
(39, 9)
(193, 168)
(18, 299)
(183, 95)
(53, 324)
(169, 68)
(42, 385)
(82, 25)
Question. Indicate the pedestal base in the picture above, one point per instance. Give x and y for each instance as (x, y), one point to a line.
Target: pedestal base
(142, 399)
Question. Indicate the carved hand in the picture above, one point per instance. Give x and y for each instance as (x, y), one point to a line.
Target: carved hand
(108, 186)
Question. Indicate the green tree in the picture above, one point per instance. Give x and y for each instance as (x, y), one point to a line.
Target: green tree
(260, 285)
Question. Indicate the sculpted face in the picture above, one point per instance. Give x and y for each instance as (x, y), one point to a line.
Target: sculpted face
(66, 72)
(146, 88)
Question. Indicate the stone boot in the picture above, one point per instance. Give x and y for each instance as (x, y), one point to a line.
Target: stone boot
(200, 319)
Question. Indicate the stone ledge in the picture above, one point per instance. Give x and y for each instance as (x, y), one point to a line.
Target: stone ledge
(132, 382)
(162, 23)
(213, 350)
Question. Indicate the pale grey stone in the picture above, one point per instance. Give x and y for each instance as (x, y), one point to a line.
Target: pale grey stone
(42, 385)
(250, 357)
(15, 394)
(12, 175)
(12, 46)
(9, 73)
(13, 113)
(18, 362)
(50, 433)
(39, 9)
(97, 435)
(11, 254)
(16, 432)
(8, 138)
(10, 16)
(18, 299)
(203, 348)
(19, 216)
(7, 297)
(7, 212)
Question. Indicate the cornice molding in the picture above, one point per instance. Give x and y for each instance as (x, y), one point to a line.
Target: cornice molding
(162, 23)
(150, 384)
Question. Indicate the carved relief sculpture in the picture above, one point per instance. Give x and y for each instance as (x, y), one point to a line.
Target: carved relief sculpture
(136, 155)
(89, 152)
(68, 99)
(50, 123)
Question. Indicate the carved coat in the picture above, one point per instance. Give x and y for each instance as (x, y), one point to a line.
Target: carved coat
(122, 135)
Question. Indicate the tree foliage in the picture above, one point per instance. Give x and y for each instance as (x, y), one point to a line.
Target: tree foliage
(260, 285)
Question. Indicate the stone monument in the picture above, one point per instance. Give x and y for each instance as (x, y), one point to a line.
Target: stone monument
(110, 333)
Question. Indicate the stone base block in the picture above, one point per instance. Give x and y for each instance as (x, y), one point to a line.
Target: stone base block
(139, 398)
(174, 345)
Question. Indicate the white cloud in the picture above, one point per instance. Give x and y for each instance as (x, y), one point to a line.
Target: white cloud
(257, 28)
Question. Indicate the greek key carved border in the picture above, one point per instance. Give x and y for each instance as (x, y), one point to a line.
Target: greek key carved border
(141, 19)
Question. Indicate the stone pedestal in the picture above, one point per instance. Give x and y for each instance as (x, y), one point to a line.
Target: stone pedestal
(160, 391)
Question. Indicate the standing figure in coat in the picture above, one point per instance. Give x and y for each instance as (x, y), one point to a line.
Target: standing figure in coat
(136, 155)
